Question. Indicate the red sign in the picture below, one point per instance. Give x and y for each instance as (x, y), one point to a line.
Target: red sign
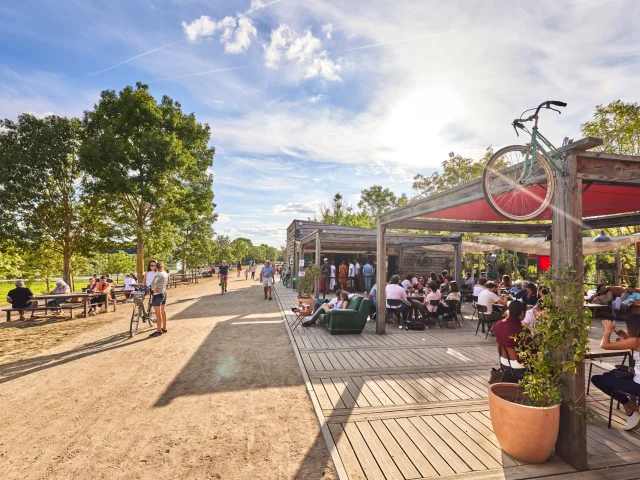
(544, 262)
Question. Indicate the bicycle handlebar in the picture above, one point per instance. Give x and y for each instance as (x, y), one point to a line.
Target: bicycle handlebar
(519, 122)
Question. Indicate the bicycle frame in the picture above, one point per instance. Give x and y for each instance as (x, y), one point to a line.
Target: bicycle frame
(546, 149)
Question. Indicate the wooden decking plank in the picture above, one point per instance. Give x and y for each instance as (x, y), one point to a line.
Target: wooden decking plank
(347, 455)
(377, 391)
(409, 388)
(363, 360)
(604, 461)
(366, 391)
(345, 395)
(374, 360)
(391, 371)
(332, 393)
(459, 432)
(434, 458)
(355, 364)
(608, 441)
(409, 447)
(388, 390)
(385, 462)
(470, 387)
(433, 387)
(321, 394)
(362, 452)
(396, 452)
(355, 392)
(419, 387)
(390, 380)
(467, 456)
(325, 362)
(627, 472)
(449, 387)
(439, 445)
(344, 363)
(317, 364)
(479, 431)
(334, 361)
(631, 438)
(308, 364)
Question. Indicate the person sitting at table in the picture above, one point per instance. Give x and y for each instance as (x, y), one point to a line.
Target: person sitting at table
(531, 299)
(628, 298)
(21, 298)
(480, 286)
(418, 287)
(440, 280)
(129, 282)
(445, 288)
(454, 291)
(506, 283)
(608, 382)
(521, 291)
(341, 300)
(507, 332)
(373, 296)
(394, 291)
(433, 293)
(61, 289)
(104, 289)
(406, 283)
(470, 281)
(488, 298)
(91, 286)
(535, 314)
(602, 296)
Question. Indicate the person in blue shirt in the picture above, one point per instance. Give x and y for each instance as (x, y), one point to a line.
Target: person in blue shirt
(626, 300)
(367, 271)
(223, 273)
(266, 278)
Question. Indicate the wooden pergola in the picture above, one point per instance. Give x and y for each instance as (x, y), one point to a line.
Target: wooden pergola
(605, 187)
(366, 241)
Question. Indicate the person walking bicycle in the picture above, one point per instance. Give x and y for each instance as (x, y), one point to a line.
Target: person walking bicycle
(266, 278)
(159, 299)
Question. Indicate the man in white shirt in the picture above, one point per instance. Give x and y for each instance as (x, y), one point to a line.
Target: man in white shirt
(356, 274)
(406, 283)
(350, 274)
(480, 286)
(394, 291)
(487, 298)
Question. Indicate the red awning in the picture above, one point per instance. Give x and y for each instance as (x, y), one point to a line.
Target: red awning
(596, 201)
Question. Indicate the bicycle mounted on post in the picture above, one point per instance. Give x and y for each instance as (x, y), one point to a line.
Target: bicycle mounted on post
(139, 310)
(518, 180)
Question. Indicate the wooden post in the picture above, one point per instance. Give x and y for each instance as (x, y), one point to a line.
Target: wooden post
(381, 279)
(295, 268)
(618, 268)
(317, 286)
(457, 263)
(401, 263)
(566, 252)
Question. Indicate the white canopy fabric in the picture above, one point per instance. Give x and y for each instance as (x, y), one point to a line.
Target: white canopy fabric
(540, 246)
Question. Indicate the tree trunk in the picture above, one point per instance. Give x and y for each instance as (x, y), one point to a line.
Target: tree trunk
(184, 260)
(66, 271)
(140, 256)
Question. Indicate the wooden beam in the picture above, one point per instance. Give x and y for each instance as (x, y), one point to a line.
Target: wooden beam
(318, 250)
(381, 279)
(566, 253)
(611, 221)
(457, 264)
(581, 145)
(609, 168)
(476, 227)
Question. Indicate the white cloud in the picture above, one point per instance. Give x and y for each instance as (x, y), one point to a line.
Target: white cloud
(223, 218)
(295, 208)
(327, 30)
(236, 35)
(304, 51)
(317, 98)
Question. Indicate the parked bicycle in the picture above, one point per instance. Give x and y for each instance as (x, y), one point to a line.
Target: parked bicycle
(518, 180)
(140, 312)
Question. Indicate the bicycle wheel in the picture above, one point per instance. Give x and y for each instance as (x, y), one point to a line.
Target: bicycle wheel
(136, 315)
(514, 195)
(151, 313)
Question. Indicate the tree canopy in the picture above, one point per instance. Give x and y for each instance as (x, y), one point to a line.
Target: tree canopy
(618, 125)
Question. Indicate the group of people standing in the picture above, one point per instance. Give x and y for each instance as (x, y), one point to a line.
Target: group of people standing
(347, 275)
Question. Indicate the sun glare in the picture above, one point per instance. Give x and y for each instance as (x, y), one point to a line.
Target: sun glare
(413, 129)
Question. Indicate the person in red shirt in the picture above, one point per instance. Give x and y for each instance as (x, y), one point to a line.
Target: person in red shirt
(507, 332)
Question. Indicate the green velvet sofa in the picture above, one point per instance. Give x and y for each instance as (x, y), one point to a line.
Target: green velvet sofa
(347, 320)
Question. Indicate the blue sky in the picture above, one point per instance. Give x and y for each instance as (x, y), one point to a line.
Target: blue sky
(306, 99)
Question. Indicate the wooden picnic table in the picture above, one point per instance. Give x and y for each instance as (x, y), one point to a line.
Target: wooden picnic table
(84, 296)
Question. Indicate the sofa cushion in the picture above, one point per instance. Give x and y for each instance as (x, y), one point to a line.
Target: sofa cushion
(354, 303)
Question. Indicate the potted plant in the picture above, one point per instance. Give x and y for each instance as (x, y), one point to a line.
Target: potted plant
(306, 285)
(526, 416)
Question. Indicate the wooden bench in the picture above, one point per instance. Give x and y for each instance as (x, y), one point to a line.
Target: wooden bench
(65, 306)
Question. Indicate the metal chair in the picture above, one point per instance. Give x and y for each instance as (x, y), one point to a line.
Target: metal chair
(475, 306)
(434, 314)
(510, 354)
(635, 397)
(482, 320)
(452, 311)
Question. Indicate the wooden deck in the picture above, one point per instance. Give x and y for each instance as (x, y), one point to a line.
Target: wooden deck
(413, 405)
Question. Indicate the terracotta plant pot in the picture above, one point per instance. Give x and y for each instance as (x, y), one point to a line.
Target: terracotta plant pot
(528, 434)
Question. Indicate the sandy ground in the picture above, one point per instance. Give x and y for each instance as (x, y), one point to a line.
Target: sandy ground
(219, 396)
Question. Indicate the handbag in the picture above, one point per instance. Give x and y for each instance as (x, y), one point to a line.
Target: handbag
(623, 372)
(497, 375)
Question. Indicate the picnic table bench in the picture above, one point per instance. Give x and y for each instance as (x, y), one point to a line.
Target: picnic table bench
(70, 306)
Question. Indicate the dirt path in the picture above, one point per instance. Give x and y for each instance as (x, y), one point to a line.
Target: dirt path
(219, 396)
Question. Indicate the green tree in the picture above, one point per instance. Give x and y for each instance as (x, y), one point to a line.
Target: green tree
(11, 260)
(240, 248)
(618, 125)
(40, 175)
(340, 212)
(376, 200)
(223, 250)
(120, 263)
(456, 170)
(144, 153)
(44, 262)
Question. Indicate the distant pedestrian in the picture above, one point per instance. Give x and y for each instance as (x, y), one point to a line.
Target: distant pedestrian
(266, 278)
